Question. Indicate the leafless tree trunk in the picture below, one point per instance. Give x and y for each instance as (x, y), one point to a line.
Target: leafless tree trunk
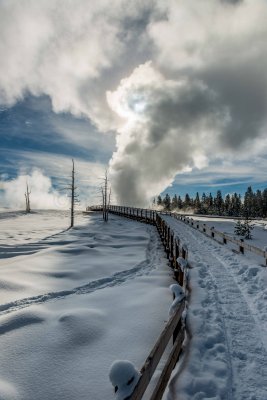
(73, 195)
(27, 198)
(106, 200)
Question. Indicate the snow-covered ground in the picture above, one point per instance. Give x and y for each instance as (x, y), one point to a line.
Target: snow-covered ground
(227, 323)
(227, 225)
(17, 227)
(72, 303)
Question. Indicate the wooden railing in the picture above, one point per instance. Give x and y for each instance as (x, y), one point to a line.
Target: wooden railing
(222, 238)
(155, 355)
(174, 328)
(215, 234)
(172, 244)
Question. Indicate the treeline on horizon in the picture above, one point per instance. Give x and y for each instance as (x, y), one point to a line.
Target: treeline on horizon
(254, 204)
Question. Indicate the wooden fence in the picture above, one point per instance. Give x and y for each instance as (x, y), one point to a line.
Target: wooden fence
(174, 328)
(220, 237)
(213, 233)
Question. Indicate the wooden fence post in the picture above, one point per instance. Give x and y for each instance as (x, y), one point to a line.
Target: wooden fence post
(241, 248)
(171, 258)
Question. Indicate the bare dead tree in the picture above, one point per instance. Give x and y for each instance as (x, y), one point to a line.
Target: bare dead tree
(104, 191)
(106, 197)
(73, 195)
(27, 199)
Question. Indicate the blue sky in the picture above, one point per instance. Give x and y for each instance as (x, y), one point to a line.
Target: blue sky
(31, 127)
(166, 106)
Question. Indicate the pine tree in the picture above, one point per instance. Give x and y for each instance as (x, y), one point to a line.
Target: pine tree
(244, 228)
(219, 203)
(248, 227)
(197, 204)
(187, 201)
(167, 202)
(179, 203)
(248, 203)
(159, 201)
(239, 229)
(210, 202)
(174, 202)
(258, 206)
(227, 205)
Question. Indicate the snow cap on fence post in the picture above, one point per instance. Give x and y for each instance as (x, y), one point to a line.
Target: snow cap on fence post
(179, 295)
(124, 377)
(182, 263)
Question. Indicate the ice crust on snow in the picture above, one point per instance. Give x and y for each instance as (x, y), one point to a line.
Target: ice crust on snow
(124, 377)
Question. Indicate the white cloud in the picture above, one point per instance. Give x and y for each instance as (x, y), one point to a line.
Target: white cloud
(202, 96)
(66, 50)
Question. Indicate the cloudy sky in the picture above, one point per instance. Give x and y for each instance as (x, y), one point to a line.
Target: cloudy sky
(169, 95)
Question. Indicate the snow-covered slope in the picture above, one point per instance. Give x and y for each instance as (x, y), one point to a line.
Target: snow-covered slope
(17, 227)
(227, 322)
(77, 302)
(227, 225)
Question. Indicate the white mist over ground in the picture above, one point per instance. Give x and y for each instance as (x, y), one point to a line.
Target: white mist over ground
(42, 193)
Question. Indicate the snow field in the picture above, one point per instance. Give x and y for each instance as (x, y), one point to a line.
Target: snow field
(17, 227)
(83, 299)
(226, 320)
(259, 233)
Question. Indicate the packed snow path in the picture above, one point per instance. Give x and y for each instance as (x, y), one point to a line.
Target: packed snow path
(228, 323)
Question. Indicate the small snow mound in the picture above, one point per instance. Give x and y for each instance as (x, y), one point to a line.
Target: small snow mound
(182, 262)
(124, 377)
(80, 327)
(179, 295)
(7, 391)
(20, 320)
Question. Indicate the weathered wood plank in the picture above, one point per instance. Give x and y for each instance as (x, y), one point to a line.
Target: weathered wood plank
(169, 366)
(155, 355)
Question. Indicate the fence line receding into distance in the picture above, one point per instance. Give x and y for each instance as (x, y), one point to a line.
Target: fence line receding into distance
(176, 253)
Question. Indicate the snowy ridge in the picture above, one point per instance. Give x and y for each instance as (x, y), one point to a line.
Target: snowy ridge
(228, 322)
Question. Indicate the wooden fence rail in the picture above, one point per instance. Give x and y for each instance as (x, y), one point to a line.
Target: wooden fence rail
(174, 328)
(202, 227)
(215, 234)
